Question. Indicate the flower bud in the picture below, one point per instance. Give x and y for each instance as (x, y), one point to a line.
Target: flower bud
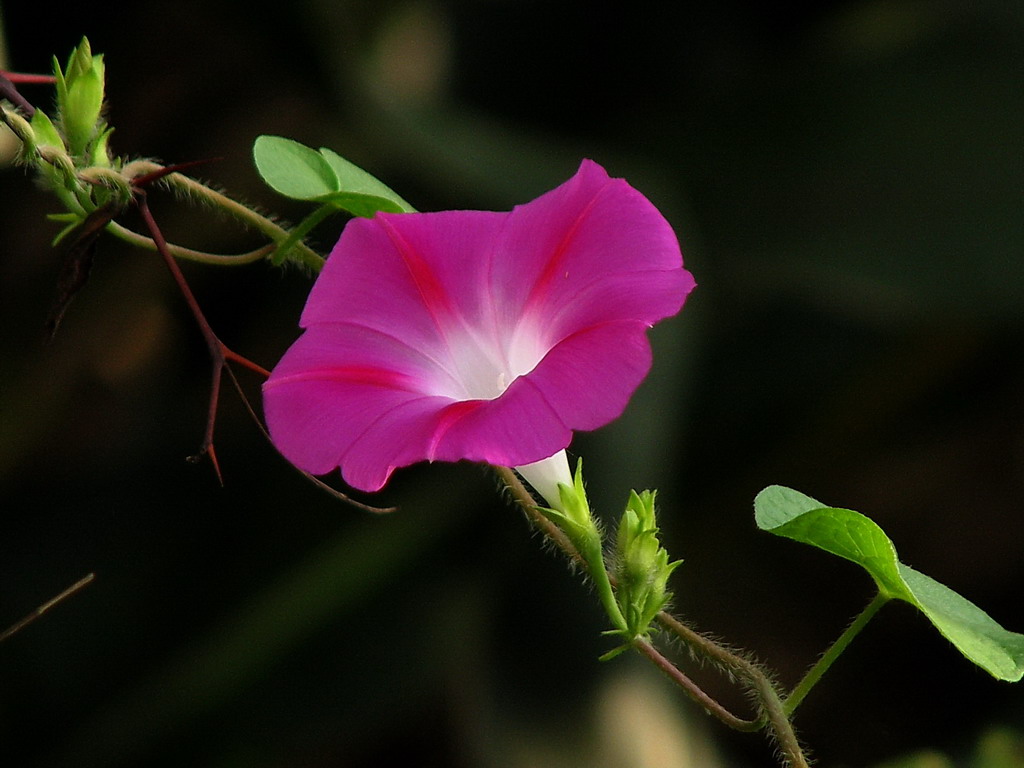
(572, 515)
(642, 564)
(80, 101)
(546, 475)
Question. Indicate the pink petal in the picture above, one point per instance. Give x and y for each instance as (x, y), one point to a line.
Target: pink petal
(410, 275)
(493, 431)
(332, 385)
(591, 231)
(589, 376)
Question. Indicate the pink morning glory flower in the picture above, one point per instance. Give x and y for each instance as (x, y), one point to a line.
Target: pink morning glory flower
(476, 335)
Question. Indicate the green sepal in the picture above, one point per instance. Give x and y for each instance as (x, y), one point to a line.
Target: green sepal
(70, 222)
(850, 535)
(46, 133)
(617, 650)
(99, 153)
(575, 519)
(60, 84)
(67, 230)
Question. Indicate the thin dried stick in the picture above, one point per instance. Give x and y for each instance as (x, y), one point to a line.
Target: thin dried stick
(74, 588)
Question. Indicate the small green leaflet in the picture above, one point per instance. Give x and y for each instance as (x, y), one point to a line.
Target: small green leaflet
(851, 535)
(323, 176)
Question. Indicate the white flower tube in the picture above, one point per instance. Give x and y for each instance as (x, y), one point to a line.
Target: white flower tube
(545, 475)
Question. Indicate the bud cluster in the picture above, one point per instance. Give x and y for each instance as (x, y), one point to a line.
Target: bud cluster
(642, 565)
(71, 150)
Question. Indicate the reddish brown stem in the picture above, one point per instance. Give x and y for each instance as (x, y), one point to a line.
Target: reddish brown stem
(28, 79)
(219, 352)
(245, 362)
(694, 691)
(314, 480)
(9, 91)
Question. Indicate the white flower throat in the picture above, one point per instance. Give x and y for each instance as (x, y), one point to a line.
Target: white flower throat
(484, 365)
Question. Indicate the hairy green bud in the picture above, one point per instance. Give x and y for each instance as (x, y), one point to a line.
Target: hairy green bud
(574, 517)
(80, 104)
(642, 565)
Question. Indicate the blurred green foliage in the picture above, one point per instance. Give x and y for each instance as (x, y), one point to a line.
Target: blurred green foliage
(997, 748)
(845, 179)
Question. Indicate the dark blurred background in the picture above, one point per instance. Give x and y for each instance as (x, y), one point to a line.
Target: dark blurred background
(845, 179)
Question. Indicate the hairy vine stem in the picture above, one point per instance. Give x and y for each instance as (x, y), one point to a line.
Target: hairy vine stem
(277, 234)
(774, 714)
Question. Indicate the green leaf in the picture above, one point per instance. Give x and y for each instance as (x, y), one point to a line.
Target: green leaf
(851, 535)
(969, 628)
(302, 173)
(359, 192)
(359, 205)
(293, 169)
(842, 532)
